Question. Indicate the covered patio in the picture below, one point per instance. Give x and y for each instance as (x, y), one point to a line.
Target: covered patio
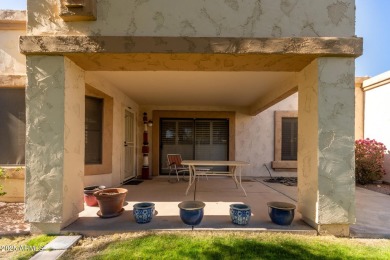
(216, 192)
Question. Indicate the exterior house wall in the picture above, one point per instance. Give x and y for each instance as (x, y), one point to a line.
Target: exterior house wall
(251, 18)
(255, 137)
(326, 197)
(120, 101)
(12, 62)
(376, 116)
(12, 75)
(54, 142)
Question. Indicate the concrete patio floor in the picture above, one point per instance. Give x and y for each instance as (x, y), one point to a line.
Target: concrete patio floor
(373, 216)
(216, 192)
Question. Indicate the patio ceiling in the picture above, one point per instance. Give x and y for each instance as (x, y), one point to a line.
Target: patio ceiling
(194, 88)
(250, 73)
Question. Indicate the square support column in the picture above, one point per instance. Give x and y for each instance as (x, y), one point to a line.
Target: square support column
(326, 176)
(55, 122)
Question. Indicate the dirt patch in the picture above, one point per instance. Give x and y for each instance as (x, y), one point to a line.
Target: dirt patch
(383, 188)
(12, 219)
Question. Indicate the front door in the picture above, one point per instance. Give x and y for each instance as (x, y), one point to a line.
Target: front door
(129, 146)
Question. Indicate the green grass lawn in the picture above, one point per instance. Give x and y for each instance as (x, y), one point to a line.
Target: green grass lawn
(22, 247)
(227, 245)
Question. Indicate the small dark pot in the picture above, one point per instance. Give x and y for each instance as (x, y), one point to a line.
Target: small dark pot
(240, 214)
(143, 212)
(281, 213)
(110, 201)
(89, 199)
(191, 212)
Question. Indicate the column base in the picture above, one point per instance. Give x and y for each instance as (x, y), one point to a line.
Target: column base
(338, 230)
(45, 228)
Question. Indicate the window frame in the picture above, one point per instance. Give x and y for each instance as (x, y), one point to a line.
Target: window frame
(22, 130)
(99, 130)
(278, 163)
(107, 144)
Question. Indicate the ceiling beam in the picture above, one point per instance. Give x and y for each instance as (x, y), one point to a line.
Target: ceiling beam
(277, 94)
(317, 46)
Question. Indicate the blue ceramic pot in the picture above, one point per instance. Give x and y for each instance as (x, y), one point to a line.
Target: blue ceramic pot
(143, 212)
(281, 213)
(240, 214)
(191, 212)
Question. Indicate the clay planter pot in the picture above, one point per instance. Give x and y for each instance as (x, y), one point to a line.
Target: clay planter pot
(143, 212)
(191, 212)
(110, 202)
(281, 213)
(240, 214)
(89, 199)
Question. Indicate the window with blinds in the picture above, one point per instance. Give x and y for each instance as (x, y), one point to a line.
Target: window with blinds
(194, 139)
(13, 126)
(93, 130)
(289, 138)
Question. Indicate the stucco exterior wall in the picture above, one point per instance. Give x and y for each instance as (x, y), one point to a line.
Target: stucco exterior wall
(74, 141)
(54, 141)
(326, 129)
(12, 62)
(376, 116)
(250, 18)
(121, 101)
(255, 137)
(13, 184)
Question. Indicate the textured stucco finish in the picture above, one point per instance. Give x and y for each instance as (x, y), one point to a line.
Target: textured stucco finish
(376, 117)
(55, 140)
(74, 126)
(13, 184)
(120, 102)
(12, 62)
(326, 142)
(251, 18)
(258, 149)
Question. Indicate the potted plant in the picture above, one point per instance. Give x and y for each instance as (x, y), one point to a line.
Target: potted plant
(281, 213)
(89, 198)
(240, 213)
(143, 212)
(191, 212)
(110, 202)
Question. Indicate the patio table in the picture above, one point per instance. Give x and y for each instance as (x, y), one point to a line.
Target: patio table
(234, 170)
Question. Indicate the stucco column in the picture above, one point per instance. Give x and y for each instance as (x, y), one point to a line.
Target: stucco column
(55, 104)
(326, 179)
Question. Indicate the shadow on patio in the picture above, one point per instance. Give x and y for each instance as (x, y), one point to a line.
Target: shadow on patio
(217, 193)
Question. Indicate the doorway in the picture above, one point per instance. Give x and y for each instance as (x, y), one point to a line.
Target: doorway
(129, 164)
(194, 139)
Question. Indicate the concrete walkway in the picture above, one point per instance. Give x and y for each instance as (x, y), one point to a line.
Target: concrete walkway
(372, 209)
(372, 215)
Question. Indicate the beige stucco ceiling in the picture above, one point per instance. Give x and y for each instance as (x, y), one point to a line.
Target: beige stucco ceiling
(193, 88)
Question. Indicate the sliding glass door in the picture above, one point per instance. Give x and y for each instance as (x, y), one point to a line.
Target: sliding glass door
(194, 139)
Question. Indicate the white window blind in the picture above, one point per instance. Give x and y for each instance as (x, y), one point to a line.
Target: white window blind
(194, 139)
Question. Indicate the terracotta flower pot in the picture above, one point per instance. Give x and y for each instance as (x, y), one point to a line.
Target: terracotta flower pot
(89, 198)
(110, 201)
